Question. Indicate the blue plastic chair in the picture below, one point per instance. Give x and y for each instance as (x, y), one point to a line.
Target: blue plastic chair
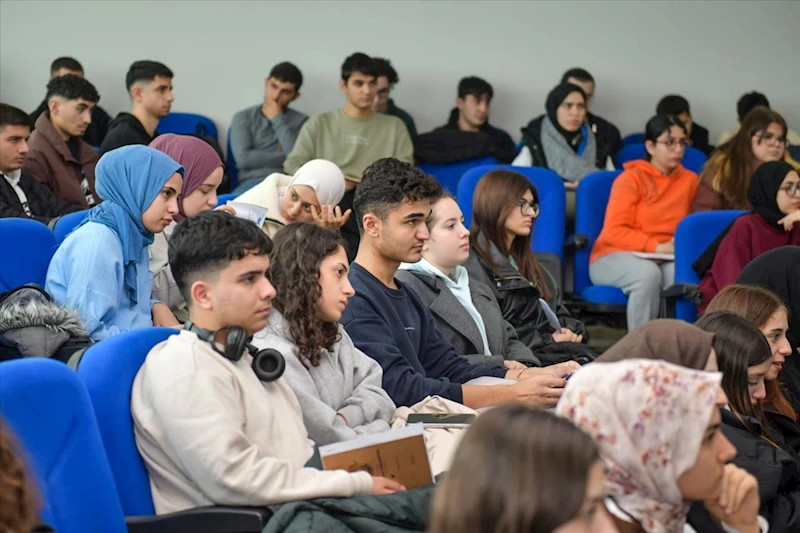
(694, 234)
(633, 138)
(47, 407)
(108, 369)
(64, 225)
(222, 199)
(26, 248)
(230, 165)
(549, 228)
(693, 159)
(187, 124)
(590, 212)
(450, 174)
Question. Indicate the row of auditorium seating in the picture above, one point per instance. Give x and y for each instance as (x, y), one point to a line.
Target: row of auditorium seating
(34, 244)
(77, 433)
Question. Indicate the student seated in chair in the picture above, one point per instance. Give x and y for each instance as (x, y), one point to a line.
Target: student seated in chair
(338, 387)
(677, 105)
(467, 134)
(214, 420)
(59, 157)
(387, 79)
(100, 271)
(388, 321)
(263, 135)
(98, 128)
(21, 195)
(149, 84)
(744, 105)
(352, 137)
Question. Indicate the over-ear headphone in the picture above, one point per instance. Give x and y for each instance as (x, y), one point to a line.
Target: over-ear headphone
(268, 364)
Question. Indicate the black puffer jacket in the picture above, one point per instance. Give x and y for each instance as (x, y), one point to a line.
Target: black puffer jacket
(519, 300)
(777, 472)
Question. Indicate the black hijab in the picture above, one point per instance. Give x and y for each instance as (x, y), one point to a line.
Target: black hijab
(763, 190)
(554, 99)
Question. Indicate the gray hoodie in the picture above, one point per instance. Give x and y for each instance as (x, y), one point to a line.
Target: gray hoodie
(346, 382)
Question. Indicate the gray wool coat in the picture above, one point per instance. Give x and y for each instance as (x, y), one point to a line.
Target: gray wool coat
(453, 320)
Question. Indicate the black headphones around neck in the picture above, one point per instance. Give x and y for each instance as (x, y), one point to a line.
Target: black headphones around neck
(268, 364)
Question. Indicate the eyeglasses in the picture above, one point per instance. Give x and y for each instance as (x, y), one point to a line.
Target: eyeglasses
(528, 208)
(792, 189)
(670, 143)
(771, 138)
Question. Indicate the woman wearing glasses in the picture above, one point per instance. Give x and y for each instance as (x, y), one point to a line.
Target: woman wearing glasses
(726, 176)
(774, 194)
(505, 206)
(647, 201)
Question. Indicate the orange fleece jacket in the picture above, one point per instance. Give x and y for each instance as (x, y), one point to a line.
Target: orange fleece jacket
(644, 209)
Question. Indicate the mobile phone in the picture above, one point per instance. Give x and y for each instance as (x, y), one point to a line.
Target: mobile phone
(443, 420)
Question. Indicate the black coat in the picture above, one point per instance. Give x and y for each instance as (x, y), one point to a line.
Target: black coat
(519, 302)
(124, 131)
(606, 135)
(777, 472)
(44, 205)
(699, 138)
(448, 144)
(96, 131)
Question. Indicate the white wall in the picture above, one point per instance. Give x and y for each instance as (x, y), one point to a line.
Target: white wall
(711, 52)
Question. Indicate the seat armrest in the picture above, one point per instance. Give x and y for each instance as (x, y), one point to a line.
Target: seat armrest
(575, 242)
(212, 519)
(676, 291)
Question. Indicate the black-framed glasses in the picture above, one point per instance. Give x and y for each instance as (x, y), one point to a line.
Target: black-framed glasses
(772, 139)
(791, 189)
(670, 143)
(528, 208)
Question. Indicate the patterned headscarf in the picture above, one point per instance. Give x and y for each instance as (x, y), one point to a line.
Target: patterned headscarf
(648, 419)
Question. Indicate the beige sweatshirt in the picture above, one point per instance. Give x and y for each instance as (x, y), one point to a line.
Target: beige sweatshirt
(211, 433)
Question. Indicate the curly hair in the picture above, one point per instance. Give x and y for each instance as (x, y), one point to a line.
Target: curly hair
(294, 271)
(18, 500)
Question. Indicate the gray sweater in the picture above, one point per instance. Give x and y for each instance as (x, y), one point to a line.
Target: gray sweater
(260, 145)
(346, 382)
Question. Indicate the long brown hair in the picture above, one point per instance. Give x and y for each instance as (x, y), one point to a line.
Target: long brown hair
(18, 500)
(294, 272)
(757, 305)
(731, 168)
(493, 200)
(518, 469)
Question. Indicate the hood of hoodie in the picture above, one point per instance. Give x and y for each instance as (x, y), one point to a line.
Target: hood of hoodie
(128, 120)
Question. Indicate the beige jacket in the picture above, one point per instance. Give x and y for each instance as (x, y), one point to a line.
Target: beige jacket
(165, 289)
(211, 433)
(265, 194)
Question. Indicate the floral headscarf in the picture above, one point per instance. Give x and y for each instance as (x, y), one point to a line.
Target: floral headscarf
(648, 419)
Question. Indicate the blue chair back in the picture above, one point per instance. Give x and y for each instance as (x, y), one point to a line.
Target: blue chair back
(549, 228)
(450, 174)
(222, 199)
(46, 406)
(591, 201)
(67, 223)
(108, 369)
(694, 234)
(633, 138)
(230, 164)
(693, 159)
(187, 124)
(26, 248)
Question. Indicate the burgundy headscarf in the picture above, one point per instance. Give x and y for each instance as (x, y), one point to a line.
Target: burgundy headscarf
(196, 156)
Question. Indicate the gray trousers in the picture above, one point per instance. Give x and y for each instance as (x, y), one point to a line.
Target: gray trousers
(640, 279)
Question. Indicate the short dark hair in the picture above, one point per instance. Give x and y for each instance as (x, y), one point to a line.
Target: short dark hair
(288, 73)
(750, 101)
(673, 104)
(68, 63)
(146, 70)
(203, 245)
(387, 183)
(358, 62)
(72, 87)
(580, 74)
(475, 86)
(14, 116)
(385, 68)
